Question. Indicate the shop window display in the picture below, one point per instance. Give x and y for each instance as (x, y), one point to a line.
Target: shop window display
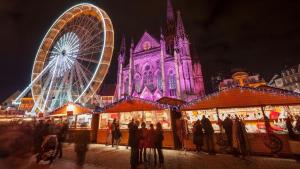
(148, 117)
(84, 121)
(107, 117)
(71, 121)
(252, 117)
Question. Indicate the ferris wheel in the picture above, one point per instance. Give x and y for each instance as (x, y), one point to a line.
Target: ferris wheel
(73, 58)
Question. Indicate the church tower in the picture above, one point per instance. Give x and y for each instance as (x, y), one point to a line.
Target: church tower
(182, 51)
(121, 62)
(170, 28)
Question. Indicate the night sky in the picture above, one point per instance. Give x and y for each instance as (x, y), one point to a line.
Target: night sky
(261, 36)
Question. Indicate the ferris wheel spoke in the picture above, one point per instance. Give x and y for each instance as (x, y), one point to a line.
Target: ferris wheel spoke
(60, 88)
(87, 41)
(51, 82)
(90, 60)
(85, 74)
(44, 89)
(84, 68)
(81, 83)
(72, 40)
(94, 47)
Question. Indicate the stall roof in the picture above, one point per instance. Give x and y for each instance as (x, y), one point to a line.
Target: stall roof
(77, 109)
(171, 101)
(244, 97)
(130, 104)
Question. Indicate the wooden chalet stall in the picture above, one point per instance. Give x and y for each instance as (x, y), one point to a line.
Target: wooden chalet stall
(248, 104)
(78, 117)
(139, 109)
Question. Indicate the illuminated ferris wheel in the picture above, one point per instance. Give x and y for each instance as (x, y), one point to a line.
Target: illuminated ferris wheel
(73, 58)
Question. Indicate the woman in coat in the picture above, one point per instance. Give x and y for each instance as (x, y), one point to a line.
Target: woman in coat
(143, 136)
(117, 135)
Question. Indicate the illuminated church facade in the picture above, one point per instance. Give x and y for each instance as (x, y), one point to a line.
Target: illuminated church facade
(160, 68)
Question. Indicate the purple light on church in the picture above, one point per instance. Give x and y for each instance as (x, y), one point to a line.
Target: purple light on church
(160, 68)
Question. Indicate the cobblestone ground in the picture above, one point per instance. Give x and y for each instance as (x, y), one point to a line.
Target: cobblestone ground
(102, 157)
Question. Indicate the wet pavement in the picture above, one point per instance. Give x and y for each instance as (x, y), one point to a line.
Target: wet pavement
(106, 157)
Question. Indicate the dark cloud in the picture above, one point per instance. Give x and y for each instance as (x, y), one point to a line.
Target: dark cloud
(259, 35)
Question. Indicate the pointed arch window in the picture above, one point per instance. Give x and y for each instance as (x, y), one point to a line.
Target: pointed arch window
(172, 83)
(148, 78)
(137, 83)
(159, 80)
(126, 85)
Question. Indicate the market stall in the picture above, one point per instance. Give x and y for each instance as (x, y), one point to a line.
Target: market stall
(78, 117)
(135, 108)
(248, 104)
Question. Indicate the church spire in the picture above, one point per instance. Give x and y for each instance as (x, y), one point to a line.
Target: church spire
(123, 46)
(170, 28)
(122, 52)
(170, 12)
(180, 31)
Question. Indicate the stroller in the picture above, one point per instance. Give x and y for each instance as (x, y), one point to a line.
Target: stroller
(49, 149)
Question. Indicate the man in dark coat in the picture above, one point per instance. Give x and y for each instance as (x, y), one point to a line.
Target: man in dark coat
(38, 134)
(61, 137)
(81, 146)
(198, 135)
(209, 133)
(133, 143)
(227, 125)
(129, 126)
(113, 128)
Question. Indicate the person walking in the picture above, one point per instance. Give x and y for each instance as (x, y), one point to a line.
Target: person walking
(159, 137)
(108, 133)
(209, 135)
(143, 136)
(129, 126)
(38, 136)
(290, 128)
(151, 141)
(113, 127)
(81, 146)
(227, 125)
(117, 135)
(61, 137)
(198, 136)
(240, 143)
(297, 127)
(133, 143)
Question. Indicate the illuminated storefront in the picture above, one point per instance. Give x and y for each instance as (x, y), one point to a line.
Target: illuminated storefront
(252, 117)
(77, 116)
(248, 104)
(138, 109)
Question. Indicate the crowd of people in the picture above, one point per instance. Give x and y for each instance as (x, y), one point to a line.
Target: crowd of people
(43, 129)
(235, 131)
(145, 143)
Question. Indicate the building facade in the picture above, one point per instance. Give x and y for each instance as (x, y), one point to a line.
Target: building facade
(289, 79)
(160, 68)
(243, 79)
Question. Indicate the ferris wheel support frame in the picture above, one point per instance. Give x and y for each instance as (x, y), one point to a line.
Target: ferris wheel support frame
(28, 88)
